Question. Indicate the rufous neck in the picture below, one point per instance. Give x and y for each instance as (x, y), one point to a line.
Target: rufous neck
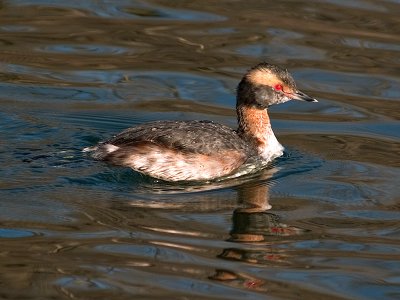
(254, 124)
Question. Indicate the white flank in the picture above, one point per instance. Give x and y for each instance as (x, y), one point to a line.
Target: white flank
(89, 149)
(110, 148)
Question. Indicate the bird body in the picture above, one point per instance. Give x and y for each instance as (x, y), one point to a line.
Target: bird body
(204, 150)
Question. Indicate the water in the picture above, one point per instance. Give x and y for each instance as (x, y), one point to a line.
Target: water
(76, 72)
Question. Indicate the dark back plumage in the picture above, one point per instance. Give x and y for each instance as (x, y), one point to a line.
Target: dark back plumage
(204, 137)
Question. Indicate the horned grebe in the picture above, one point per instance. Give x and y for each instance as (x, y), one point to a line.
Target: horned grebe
(204, 150)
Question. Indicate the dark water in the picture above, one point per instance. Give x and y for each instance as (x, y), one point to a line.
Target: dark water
(75, 72)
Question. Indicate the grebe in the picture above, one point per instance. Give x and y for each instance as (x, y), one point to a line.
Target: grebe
(204, 150)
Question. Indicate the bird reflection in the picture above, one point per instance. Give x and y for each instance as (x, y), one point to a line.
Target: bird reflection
(254, 225)
(255, 233)
(252, 222)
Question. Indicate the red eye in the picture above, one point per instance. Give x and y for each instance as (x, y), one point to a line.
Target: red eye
(278, 87)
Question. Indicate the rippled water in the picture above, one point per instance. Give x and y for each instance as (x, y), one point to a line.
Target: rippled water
(75, 72)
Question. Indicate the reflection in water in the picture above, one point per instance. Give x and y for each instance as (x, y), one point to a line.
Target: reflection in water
(253, 224)
(240, 280)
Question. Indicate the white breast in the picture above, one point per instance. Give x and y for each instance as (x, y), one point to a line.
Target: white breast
(271, 149)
